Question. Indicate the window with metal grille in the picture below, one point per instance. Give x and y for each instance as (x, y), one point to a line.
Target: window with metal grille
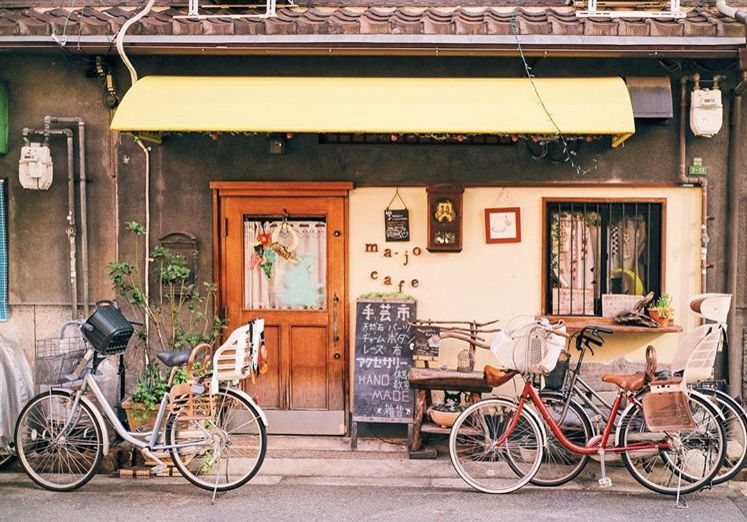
(596, 247)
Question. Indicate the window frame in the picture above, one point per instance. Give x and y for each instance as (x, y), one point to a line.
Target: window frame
(546, 201)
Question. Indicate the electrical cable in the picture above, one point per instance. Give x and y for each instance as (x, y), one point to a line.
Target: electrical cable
(530, 77)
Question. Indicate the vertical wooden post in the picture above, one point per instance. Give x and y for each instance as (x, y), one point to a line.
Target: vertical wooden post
(418, 415)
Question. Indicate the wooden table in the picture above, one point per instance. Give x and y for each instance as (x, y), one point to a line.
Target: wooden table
(425, 380)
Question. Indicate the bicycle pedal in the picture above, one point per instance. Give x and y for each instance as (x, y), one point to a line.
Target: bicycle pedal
(605, 482)
(158, 469)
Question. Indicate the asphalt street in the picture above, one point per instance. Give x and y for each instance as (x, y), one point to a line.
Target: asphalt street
(107, 499)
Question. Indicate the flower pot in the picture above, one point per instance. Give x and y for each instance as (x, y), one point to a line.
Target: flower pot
(445, 419)
(139, 417)
(656, 316)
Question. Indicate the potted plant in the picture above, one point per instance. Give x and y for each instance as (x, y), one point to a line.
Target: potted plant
(662, 310)
(179, 315)
(446, 412)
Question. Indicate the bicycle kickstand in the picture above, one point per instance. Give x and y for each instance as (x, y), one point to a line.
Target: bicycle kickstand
(680, 502)
(604, 481)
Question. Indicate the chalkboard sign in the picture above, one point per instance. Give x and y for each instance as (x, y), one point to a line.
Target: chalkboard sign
(397, 224)
(427, 343)
(383, 358)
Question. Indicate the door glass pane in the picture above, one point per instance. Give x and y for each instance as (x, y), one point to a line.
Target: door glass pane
(285, 263)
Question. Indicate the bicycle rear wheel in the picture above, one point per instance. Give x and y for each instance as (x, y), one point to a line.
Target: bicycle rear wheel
(735, 424)
(560, 465)
(56, 458)
(236, 448)
(692, 459)
(490, 456)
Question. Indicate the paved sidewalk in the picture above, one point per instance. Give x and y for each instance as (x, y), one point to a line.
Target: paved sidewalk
(319, 478)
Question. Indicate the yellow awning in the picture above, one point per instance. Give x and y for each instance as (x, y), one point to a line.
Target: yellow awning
(579, 106)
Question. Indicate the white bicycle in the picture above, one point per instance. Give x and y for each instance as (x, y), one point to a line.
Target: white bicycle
(216, 435)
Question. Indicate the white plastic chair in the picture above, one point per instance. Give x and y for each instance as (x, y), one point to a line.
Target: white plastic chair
(238, 357)
(696, 354)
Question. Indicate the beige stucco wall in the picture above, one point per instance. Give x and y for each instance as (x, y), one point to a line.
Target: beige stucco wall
(489, 281)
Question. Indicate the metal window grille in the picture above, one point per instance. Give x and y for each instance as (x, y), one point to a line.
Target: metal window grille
(596, 248)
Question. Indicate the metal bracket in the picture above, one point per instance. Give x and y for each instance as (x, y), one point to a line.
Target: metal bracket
(194, 12)
(675, 11)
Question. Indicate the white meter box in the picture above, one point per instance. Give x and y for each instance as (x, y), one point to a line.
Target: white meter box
(35, 167)
(706, 112)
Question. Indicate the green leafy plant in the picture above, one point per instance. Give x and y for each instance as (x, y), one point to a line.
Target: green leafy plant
(179, 313)
(151, 388)
(663, 306)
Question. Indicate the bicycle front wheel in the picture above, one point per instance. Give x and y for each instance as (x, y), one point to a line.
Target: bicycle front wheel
(494, 448)
(692, 459)
(59, 444)
(221, 453)
(559, 464)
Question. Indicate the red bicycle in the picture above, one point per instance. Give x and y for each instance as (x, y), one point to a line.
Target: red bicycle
(497, 445)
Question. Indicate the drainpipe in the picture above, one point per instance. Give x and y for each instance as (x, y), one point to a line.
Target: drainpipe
(123, 32)
(732, 246)
(82, 181)
(71, 225)
(686, 180)
(146, 279)
(733, 12)
(735, 354)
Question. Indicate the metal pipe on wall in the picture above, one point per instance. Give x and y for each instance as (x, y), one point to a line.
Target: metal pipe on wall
(82, 181)
(146, 278)
(71, 222)
(684, 179)
(732, 246)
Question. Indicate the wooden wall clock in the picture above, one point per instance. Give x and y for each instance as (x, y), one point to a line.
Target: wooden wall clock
(445, 218)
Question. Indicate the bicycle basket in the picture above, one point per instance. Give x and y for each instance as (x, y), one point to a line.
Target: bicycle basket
(555, 380)
(57, 359)
(527, 346)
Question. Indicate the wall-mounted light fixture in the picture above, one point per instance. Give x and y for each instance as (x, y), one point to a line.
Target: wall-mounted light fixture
(277, 144)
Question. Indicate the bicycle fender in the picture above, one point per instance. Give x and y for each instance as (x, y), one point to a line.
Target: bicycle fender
(248, 397)
(96, 414)
(532, 412)
(713, 407)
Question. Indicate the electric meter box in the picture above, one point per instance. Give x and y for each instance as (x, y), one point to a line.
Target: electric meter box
(3, 117)
(35, 166)
(706, 112)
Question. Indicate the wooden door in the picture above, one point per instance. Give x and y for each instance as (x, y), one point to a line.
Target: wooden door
(299, 289)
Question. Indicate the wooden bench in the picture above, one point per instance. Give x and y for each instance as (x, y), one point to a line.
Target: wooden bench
(423, 381)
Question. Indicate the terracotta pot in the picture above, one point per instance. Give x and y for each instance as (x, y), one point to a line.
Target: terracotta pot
(139, 417)
(445, 419)
(656, 316)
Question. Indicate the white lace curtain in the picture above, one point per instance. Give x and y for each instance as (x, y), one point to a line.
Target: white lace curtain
(297, 284)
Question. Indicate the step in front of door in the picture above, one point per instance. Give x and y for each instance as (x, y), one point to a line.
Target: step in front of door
(306, 422)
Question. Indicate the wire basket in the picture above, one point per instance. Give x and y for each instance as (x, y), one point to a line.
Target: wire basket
(555, 380)
(57, 359)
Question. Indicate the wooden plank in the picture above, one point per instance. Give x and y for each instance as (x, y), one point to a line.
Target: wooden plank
(425, 378)
(575, 324)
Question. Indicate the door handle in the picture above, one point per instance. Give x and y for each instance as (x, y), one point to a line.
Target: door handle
(335, 318)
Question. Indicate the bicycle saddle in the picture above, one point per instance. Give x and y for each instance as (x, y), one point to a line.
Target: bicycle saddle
(630, 382)
(172, 359)
(496, 376)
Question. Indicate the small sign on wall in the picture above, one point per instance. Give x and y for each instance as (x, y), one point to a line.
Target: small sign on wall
(397, 221)
(503, 225)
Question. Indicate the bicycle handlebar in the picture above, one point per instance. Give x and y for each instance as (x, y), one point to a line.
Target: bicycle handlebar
(591, 335)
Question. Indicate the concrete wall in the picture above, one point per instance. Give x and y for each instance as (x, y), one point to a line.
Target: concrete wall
(183, 166)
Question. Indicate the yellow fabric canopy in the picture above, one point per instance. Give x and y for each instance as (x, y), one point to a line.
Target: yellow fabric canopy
(579, 106)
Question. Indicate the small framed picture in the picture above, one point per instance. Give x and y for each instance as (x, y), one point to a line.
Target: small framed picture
(503, 225)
